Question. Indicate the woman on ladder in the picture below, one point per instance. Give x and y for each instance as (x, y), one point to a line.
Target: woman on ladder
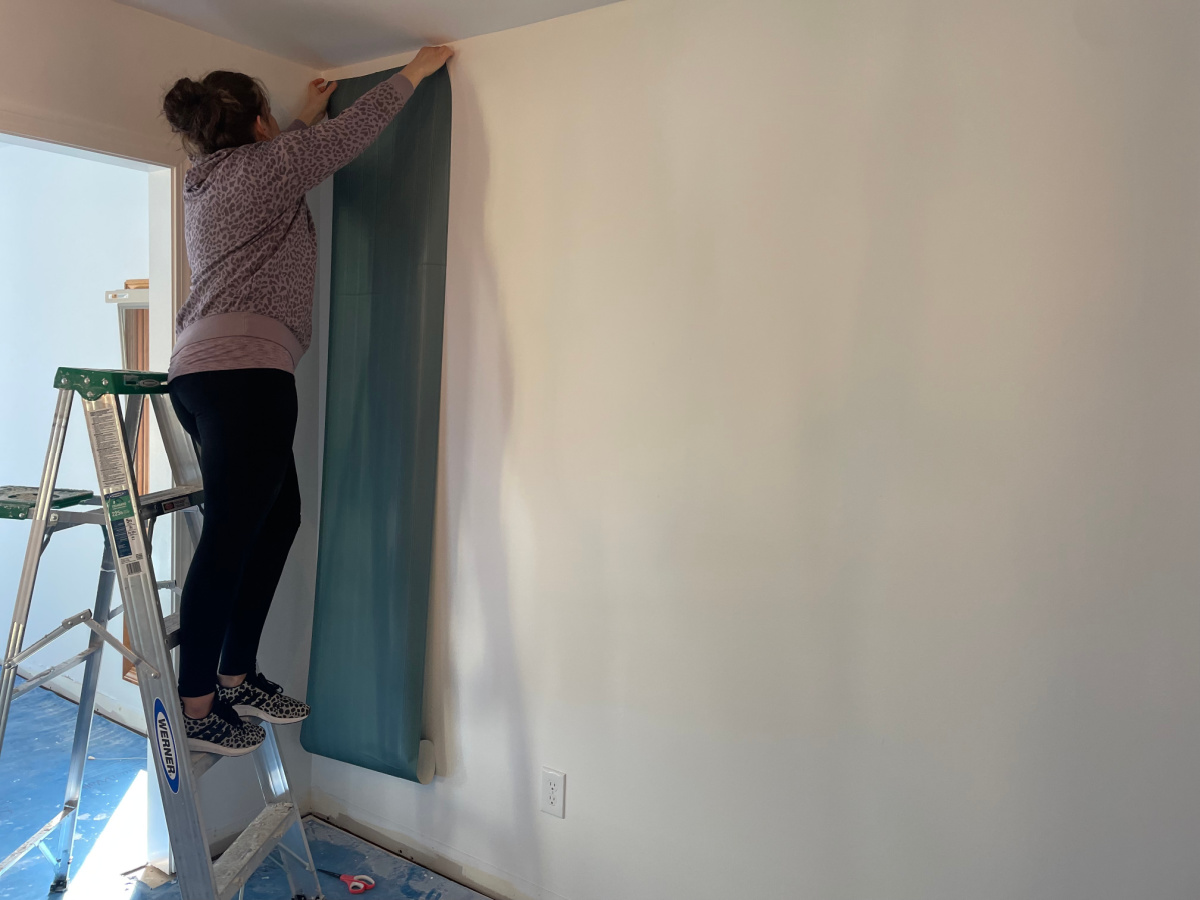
(252, 249)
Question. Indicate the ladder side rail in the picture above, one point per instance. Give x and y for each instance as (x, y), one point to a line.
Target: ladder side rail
(181, 454)
(33, 552)
(185, 469)
(143, 616)
(83, 722)
(296, 862)
(134, 404)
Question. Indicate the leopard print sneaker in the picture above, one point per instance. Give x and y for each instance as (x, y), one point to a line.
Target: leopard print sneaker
(222, 732)
(263, 699)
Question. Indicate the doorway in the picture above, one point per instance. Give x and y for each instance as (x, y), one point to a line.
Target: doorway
(82, 237)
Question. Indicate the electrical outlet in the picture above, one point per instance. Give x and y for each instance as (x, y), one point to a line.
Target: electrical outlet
(554, 792)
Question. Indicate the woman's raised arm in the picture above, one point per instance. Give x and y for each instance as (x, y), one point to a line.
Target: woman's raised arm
(302, 158)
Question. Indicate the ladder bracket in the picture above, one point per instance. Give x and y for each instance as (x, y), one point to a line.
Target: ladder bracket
(109, 638)
(67, 624)
(82, 618)
(53, 672)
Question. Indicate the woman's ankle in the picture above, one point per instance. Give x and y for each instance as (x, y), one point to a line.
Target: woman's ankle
(230, 681)
(197, 707)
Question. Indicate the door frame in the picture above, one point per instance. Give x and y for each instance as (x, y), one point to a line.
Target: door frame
(166, 165)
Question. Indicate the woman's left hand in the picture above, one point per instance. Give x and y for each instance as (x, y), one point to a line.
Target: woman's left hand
(318, 99)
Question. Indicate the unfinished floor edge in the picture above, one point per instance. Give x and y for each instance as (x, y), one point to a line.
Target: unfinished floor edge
(494, 885)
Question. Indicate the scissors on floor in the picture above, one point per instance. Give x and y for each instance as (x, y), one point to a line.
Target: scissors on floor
(356, 883)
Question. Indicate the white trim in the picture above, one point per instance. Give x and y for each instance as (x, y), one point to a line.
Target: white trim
(83, 134)
(132, 298)
(99, 140)
(168, 279)
(107, 159)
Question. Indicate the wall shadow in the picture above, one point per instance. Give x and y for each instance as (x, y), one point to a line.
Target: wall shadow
(471, 581)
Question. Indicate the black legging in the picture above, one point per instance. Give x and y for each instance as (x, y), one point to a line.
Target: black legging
(244, 421)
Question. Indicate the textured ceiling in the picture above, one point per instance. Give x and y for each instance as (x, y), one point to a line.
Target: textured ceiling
(328, 33)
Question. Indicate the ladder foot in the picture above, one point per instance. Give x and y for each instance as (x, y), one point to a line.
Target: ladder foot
(60, 885)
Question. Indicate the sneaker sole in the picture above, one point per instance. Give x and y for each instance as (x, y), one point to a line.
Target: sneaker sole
(199, 746)
(254, 712)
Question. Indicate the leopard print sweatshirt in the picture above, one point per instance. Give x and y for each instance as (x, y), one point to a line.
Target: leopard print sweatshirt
(251, 243)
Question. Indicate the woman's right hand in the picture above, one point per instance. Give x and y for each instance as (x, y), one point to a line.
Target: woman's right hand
(318, 100)
(427, 61)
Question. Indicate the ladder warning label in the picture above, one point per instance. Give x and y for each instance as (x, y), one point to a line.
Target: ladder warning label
(128, 545)
(109, 447)
(119, 506)
(127, 541)
(121, 539)
(112, 467)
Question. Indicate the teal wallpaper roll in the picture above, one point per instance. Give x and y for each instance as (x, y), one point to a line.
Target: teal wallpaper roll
(387, 299)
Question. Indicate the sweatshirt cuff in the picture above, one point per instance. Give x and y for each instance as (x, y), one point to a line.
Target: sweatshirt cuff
(403, 86)
(297, 125)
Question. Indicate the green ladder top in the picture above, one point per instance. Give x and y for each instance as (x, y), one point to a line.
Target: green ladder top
(18, 502)
(92, 383)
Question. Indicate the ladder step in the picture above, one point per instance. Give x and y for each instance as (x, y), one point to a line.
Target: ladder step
(18, 502)
(251, 847)
(153, 505)
(92, 383)
(171, 627)
(171, 500)
(202, 762)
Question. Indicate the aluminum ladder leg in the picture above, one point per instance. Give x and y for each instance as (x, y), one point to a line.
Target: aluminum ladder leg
(33, 555)
(64, 822)
(91, 679)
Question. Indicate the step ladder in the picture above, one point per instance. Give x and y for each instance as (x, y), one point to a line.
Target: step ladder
(127, 519)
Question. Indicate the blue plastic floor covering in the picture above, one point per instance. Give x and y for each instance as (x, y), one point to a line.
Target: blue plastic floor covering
(395, 878)
(32, 779)
(33, 776)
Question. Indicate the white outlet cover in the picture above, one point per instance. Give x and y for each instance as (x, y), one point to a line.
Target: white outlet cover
(554, 792)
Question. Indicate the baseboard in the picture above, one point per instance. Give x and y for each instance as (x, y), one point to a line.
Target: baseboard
(476, 875)
(106, 706)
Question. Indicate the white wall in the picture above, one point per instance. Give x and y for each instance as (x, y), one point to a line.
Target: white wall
(819, 484)
(69, 230)
(100, 69)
